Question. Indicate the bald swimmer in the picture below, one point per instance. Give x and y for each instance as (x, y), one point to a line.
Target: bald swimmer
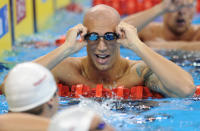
(139, 20)
(103, 63)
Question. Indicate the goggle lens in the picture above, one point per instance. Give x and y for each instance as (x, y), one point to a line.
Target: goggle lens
(109, 36)
(93, 37)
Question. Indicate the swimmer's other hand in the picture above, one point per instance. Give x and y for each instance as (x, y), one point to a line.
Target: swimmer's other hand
(128, 35)
(71, 42)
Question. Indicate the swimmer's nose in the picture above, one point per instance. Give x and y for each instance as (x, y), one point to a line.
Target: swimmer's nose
(182, 11)
(102, 45)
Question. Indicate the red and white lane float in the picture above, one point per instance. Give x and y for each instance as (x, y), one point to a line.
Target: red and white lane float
(60, 40)
(134, 93)
(74, 7)
(41, 44)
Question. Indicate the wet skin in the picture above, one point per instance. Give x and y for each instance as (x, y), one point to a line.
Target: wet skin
(103, 63)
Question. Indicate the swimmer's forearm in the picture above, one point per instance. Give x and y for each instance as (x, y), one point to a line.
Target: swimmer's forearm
(141, 19)
(173, 78)
(53, 58)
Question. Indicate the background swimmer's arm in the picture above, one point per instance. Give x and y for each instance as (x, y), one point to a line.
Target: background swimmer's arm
(175, 45)
(141, 19)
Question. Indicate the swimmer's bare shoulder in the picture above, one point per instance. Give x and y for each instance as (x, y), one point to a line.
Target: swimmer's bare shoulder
(133, 74)
(151, 32)
(138, 67)
(68, 70)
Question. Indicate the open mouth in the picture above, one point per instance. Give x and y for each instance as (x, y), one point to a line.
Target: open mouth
(180, 22)
(102, 58)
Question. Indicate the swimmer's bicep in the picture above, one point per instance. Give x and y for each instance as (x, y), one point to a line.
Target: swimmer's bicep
(153, 82)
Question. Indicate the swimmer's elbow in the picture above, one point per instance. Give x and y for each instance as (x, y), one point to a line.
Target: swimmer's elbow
(188, 90)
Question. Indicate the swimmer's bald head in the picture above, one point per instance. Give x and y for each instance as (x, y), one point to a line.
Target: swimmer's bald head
(101, 13)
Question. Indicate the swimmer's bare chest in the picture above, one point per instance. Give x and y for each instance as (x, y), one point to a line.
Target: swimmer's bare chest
(75, 75)
(128, 80)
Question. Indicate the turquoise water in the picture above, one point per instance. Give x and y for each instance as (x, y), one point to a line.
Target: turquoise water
(146, 115)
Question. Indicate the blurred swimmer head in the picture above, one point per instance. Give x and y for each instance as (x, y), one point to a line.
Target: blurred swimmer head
(31, 87)
(180, 21)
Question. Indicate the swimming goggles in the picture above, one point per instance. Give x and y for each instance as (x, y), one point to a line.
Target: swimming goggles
(101, 126)
(109, 36)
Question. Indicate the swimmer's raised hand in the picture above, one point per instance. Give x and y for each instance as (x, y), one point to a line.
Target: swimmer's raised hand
(175, 5)
(128, 35)
(71, 42)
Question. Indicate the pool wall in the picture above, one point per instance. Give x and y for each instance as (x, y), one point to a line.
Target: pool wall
(24, 17)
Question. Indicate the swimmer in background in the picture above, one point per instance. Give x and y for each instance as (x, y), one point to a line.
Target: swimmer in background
(103, 34)
(176, 31)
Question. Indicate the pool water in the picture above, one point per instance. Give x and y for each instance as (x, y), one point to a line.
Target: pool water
(172, 114)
